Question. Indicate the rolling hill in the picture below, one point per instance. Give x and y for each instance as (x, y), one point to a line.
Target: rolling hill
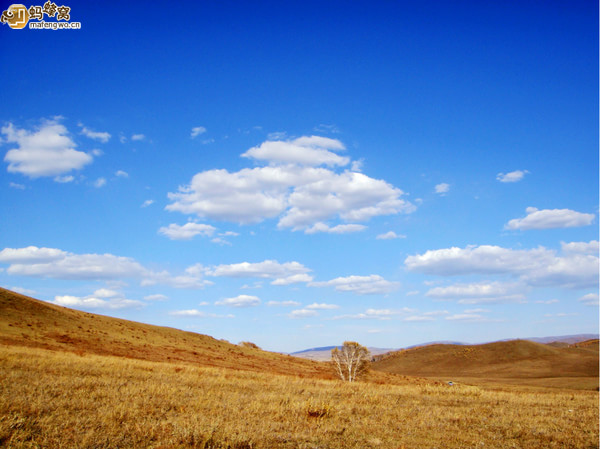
(515, 361)
(26, 321)
(324, 353)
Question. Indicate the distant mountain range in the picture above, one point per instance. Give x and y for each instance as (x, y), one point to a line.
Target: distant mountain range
(570, 339)
(324, 352)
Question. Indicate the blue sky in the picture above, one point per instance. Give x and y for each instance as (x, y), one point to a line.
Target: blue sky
(298, 174)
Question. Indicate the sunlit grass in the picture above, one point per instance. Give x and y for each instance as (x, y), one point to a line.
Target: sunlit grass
(58, 399)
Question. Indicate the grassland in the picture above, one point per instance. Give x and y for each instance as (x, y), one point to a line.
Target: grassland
(26, 321)
(61, 399)
(516, 362)
(70, 379)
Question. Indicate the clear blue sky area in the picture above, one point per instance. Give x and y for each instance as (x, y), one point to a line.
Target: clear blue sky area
(298, 174)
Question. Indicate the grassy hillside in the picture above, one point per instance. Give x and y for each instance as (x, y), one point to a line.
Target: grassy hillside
(518, 360)
(55, 399)
(25, 321)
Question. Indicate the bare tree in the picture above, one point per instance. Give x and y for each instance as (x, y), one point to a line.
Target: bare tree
(351, 360)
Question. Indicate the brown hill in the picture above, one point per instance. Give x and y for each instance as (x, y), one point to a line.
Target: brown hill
(25, 321)
(516, 359)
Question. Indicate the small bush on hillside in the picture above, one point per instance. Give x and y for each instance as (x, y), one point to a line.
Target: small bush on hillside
(248, 344)
(317, 409)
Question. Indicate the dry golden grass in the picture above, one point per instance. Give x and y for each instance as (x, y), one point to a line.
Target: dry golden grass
(516, 362)
(54, 399)
(70, 379)
(26, 321)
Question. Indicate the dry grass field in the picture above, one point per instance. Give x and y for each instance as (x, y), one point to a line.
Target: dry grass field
(55, 399)
(26, 321)
(516, 362)
(69, 379)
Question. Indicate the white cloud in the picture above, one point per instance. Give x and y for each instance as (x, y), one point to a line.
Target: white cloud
(361, 285)
(283, 303)
(221, 241)
(484, 259)
(478, 293)
(189, 312)
(156, 297)
(592, 247)
(470, 317)
(191, 279)
(477, 310)
(31, 255)
(550, 301)
(80, 266)
(277, 135)
(196, 270)
(47, 151)
(100, 182)
(101, 299)
(300, 195)
(138, 137)
(286, 273)
(339, 229)
(106, 293)
(247, 196)
(100, 136)
(322, 306)
(147, 203)
(550, 218)
(419, 318)
(195, 313)
(14, 185)
(436, 313)
(442, 188)
(121, 174)
(390, 235)
(196, 131)
(350, 196)
(323, 128)
(357, 165)
(513, 176)
(182, 281)
(591, 299)
(370, 314)
(239, 301)
(312, 151)
(187, 231)
(64, 179)
(536, 267)
(57, 264)
(293, 279)
(23, 291)
(303, 313)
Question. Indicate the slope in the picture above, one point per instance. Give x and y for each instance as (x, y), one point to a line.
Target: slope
(26, 321)
(517, 359)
